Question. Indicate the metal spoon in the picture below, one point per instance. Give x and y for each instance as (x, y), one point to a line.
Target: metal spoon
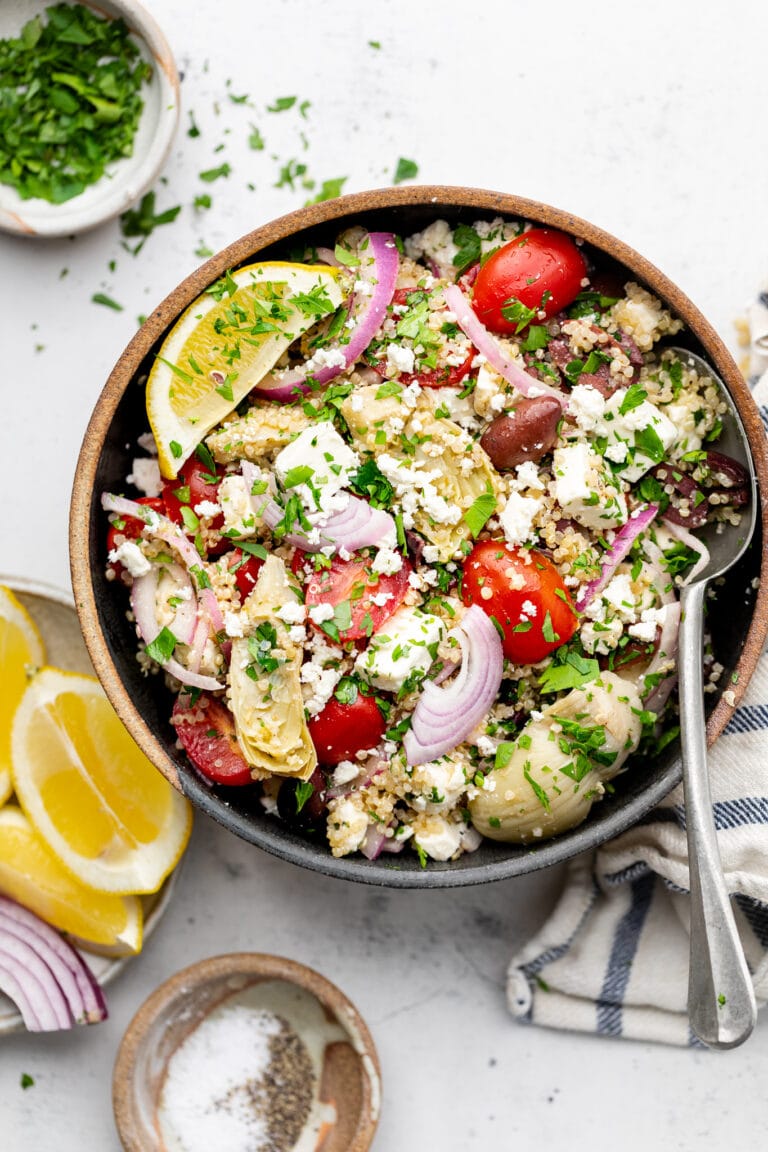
(721, 999)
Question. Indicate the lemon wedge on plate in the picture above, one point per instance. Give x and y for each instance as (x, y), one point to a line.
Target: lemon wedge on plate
(31, 874)
(101, 807)
(21, 650)
(225, 343)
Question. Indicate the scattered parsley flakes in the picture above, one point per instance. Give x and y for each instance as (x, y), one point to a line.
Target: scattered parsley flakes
(27, 1081)
(255, 139)
(374, 44)
(143, 220)
(193, 129)
(212, 174)
(162, 647)
(329, 190)
(202, 202)
(106, 301)
(405, 170)
(282, 104)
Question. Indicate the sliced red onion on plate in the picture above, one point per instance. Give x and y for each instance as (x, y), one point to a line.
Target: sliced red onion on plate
(623, 541)
(42, 973)
(488, 346)
(378, 269)
(373, 842)
(445, 716)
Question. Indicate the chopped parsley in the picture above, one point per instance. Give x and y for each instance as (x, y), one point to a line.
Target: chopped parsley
(304, 789)
(162, 647)
(480, 512)
(405, 170)
(142, 220)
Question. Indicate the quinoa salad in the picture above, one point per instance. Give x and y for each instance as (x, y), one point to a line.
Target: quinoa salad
(410, 529)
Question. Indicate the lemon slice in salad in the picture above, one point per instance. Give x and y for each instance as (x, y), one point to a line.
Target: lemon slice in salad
(225, 343)
(31, 874)
(21, 649)
(101, 807)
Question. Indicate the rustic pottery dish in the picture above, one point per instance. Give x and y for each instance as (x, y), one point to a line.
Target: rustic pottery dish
(53, 612)
(738, 630)
(320, 1020)
(127, 179)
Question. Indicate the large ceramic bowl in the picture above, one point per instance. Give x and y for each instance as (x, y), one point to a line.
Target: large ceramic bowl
(738, 625)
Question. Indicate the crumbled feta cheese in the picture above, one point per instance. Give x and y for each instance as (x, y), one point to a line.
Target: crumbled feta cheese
(439, 839)
(325, 358)
(406, 644)
(145, 475)
(345, 771)
(517, 516)
(387, 561)
(587, 406)
(381, 598)
(362, 288)
(321, 448)
(236, 505)
(233, 624)
(319, 613)
(527, 476)
(400, 359)
(292, 612)
(208, 508)
(431, 553)
(486, 746)
(583, 489)
(131, 557)
(529, 608)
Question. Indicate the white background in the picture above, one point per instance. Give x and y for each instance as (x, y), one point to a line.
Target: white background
(646, 118)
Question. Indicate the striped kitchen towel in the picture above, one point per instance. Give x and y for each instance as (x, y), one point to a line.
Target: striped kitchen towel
(613, 957)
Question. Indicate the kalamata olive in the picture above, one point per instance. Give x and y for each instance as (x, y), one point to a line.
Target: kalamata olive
(527, 433)
(302, 811)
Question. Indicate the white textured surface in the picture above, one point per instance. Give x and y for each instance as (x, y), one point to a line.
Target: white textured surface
(648, 120)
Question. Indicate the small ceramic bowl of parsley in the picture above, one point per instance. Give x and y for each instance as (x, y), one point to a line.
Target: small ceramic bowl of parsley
(90, 108)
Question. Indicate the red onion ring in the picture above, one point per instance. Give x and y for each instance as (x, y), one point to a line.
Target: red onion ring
(444, 717)
(624, 539)
(184, 622)
(373, 842)
(485, 343)
(358, 525)
(367, 312)
(143, 591)
(50, 1011)
(72, 974)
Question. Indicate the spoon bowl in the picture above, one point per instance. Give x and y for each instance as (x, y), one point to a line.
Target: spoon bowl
(721, 999)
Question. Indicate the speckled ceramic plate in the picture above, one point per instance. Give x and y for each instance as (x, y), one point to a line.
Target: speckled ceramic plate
(54, 613)
(127, 179)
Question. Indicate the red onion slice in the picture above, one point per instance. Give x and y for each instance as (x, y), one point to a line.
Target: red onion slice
(74, 977)
(485, 343)
(692, 542)
(625, 538)
(373, 842)
(184, 621)
(44, 992)
(143, 593)
(358, 525)
(379, 263)
(666, 650)
(445, 716)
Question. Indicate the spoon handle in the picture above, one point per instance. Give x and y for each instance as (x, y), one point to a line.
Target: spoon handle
(721, 999)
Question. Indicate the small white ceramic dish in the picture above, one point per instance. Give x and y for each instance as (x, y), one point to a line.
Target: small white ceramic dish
(126, 180)
(54, 613)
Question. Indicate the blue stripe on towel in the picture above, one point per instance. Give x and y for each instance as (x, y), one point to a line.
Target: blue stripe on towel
(625, 942)
(732, 813)
(750, 717)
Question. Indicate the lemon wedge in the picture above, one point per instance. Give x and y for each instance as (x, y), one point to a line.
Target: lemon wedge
(31, 874)
(225, 343)
(21, 649)
(101, 807)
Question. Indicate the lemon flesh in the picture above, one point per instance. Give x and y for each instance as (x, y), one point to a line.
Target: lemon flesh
(101, 807)
(31, 874)
(21, 649)
(225, 343)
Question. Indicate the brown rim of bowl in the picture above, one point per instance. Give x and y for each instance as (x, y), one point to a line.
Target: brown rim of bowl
(263, 966)
(280, 230)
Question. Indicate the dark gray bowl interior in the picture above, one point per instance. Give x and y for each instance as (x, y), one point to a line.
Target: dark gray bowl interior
(636, 791)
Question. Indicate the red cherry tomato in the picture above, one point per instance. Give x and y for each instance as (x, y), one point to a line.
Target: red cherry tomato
(207, 735)
(524, 592)
(341, 730)
(353, 582)
(246, 569)
(131, 529)
(539, 262)
(191, 487)
(450, 376)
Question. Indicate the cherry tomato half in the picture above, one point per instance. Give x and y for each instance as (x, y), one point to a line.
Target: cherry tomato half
(246, 569)
(207, 734)
(527, 268)
(131, 529)
(193, 485)
(353, 582)
(524, 592)
(341, 730)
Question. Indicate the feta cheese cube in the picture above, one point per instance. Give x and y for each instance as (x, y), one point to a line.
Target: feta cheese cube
(332, 461)
(406, 644)
(516, 518)
(583, 489)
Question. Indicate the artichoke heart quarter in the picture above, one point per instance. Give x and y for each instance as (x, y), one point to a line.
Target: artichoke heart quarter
(264, 684)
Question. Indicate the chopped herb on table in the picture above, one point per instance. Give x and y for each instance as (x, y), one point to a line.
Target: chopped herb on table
(405, 170)
(71, 101)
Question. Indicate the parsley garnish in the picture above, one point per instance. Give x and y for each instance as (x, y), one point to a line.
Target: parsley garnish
(143, 220)
(572, 673)
(304, 789)
(107, 301)
(405, 170)
(162, 647)
(469, 248)
(634, 397)
(26, 1081)
(480, 511)
(212, 174)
